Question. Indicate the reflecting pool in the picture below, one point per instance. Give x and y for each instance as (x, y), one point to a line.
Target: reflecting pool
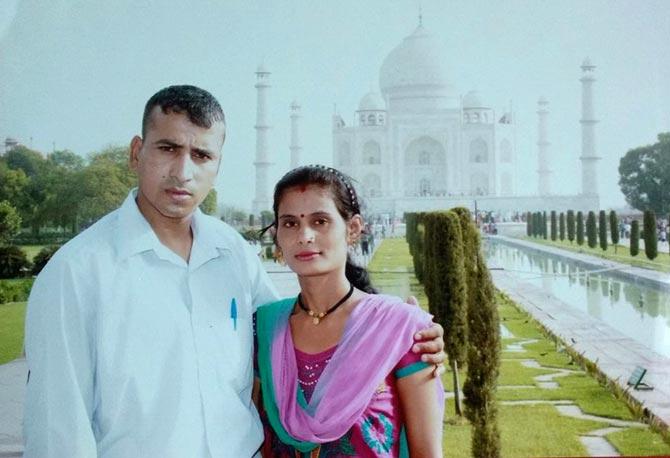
(637, 308)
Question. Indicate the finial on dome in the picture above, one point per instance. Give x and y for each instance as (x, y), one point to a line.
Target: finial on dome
(420, 15)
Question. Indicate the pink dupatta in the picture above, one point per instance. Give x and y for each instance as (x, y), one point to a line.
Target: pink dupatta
(379, 331)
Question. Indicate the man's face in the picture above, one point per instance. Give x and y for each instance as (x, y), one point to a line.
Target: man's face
(176, 163)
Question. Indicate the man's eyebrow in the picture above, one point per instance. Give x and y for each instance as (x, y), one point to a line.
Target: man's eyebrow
(165, 141)
(204, 151)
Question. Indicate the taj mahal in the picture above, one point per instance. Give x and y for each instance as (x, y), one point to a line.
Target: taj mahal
(420, 145)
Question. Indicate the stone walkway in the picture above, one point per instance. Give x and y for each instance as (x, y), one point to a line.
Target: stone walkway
(595, 441)
(615, 354)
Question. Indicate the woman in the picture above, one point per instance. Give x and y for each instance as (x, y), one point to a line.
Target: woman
(337, 373)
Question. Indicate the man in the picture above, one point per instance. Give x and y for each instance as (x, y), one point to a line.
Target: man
(139, 331)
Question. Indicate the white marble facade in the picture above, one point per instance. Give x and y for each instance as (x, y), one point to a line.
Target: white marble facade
(420, 145)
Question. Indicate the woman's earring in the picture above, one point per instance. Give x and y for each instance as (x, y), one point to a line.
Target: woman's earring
(279, 255)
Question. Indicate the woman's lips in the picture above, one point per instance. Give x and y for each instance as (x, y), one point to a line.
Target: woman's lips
(306, 255)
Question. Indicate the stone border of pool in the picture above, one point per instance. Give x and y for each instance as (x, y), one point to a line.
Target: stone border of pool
(615, 354)
(653, 277)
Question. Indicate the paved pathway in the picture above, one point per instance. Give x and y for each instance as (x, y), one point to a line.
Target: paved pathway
(615, 354)
(595, 441)
(13, 376)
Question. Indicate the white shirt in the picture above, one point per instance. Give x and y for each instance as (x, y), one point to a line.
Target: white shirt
(133, 352)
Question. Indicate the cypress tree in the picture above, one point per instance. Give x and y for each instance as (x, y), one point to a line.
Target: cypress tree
(529, 224)
(417, 259)
(614, 229)
(553, 225)
(602, 229)
(561, 226)
(634, 237)
(428, 264)
(591, 231)
(410, 231)
(649, 233)
(483, 355)
(449, 292)
(483, 367)
(544, 225)
(538, 220)
(571, 225)
(580, 228)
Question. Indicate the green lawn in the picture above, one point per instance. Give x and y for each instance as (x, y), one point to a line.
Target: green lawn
(12, 319)
(31, 250)
(660, 263)
(526, 430)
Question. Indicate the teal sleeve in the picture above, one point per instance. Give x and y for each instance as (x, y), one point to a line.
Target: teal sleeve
(410, 369)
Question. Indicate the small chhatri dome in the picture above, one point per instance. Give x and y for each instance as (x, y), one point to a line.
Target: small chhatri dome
(416, 62)
(261, 68)
(372, 101)
(542, 101)
(587, 66)
(473, 100)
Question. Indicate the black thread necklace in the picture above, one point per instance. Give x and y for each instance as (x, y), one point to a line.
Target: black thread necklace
(317, 317)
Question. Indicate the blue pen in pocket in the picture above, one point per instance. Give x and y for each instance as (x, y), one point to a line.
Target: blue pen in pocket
(233, 313)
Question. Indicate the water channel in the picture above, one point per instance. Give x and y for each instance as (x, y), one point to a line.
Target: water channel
(637, 308)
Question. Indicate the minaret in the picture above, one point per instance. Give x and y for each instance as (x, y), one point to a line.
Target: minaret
(295, 135)
(543, 170)
(262, 200)
(589, 157)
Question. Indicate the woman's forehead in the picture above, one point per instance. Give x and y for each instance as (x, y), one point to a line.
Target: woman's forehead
(308, 196)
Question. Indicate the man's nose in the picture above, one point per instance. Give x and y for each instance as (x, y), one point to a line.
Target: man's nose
(182, 168)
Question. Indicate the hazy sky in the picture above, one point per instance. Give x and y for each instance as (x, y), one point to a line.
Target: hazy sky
(78, 72)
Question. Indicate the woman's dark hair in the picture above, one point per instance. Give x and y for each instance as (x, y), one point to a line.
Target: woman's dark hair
(346, 202)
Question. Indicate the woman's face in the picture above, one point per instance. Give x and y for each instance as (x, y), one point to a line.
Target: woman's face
(311, 233)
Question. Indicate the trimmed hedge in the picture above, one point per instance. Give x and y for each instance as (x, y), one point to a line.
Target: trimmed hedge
(614, 229)
(553, 225)
(43, 257)
(649, 234)
(16, 290)
(634, 237)
(13, 262)
(602, 229)
(591, 231)
(571, 225)
(580, 228)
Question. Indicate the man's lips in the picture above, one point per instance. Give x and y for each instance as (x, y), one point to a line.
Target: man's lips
(178, 193)
(306, 255)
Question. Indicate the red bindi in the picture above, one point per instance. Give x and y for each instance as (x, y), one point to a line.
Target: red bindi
(301, 215)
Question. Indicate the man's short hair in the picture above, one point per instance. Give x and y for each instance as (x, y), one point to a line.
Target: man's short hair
(199, 105)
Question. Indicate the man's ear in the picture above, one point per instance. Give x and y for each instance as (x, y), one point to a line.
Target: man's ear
(135, 148)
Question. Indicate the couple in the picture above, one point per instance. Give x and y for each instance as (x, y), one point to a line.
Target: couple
(139, 332)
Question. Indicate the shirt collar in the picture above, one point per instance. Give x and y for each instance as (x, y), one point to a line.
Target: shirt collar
(135, 234)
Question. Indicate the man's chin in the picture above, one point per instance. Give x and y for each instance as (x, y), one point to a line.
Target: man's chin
(178, 212)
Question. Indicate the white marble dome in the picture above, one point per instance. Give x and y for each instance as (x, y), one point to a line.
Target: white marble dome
(372, 101)
(417, 61)
(473, 100)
